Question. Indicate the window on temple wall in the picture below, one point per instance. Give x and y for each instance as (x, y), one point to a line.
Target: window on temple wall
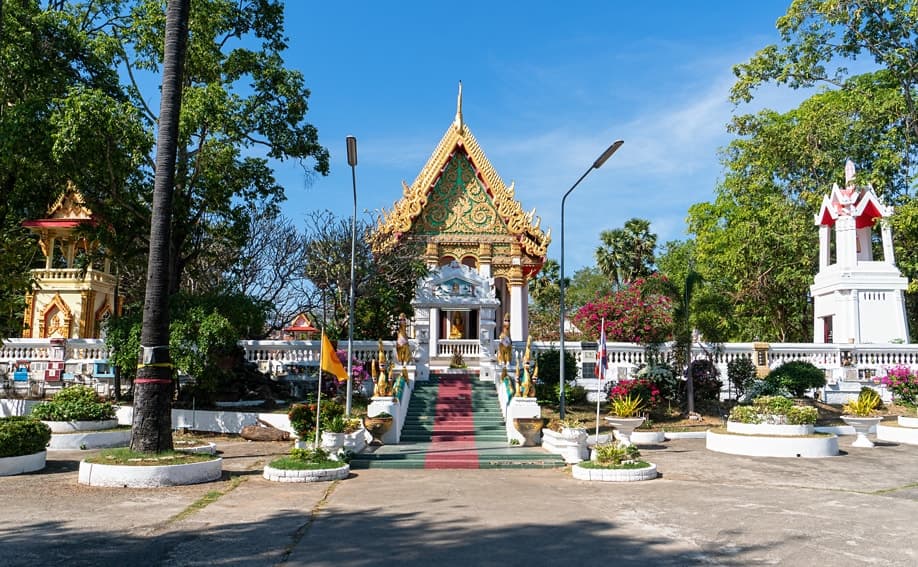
(827, 329)
(471, 262)
(445, 260)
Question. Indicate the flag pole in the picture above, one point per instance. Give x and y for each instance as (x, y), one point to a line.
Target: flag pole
(319, 394)
(602, 370)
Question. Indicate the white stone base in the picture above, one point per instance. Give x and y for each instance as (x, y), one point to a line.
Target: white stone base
(90, 440)
(670, 435)
(765, 446)
(768, 429)
(906, 435)
(313, 475)
(124, 476)
(204, 448)
(572, 449)
(22, 464)
(73, 426)
(615, 475)
(644, 437)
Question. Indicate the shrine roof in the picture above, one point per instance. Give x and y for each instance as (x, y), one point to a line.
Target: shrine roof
(458, 139)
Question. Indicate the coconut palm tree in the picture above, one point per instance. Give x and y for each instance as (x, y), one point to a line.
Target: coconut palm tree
(152, 426)
(627, 253)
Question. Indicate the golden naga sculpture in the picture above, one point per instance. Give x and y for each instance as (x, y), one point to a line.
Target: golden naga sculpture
(402, 348)
(505, 345)
(383, 387)
(525, 387)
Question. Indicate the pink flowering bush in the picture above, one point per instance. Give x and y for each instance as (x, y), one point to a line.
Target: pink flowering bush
(642, 388)
(632, 315)
(903, 383)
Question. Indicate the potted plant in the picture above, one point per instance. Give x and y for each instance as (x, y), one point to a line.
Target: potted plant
(22, 445)
(573, 429)
(378, 426)
(625, 416)
(333, 432)
(861, 415)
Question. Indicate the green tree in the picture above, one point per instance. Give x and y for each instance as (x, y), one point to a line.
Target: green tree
(385, 282)
(627, 253)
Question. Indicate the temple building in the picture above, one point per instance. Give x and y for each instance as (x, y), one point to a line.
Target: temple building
(74, 292)
(857, 298)
(476, 236)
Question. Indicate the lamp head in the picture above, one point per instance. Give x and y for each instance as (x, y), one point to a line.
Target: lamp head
(351, 151)
(607, 154)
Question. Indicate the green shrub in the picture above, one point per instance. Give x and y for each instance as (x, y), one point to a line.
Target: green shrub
(773, 405)
(662, 375)
(706, 382)
(549, 362)
(802, 415)
(551, 393)
(302, 418)
(613, 454)
(740, 373)
(745, 414)
(21, 435)
(76, 403)
(797, 377)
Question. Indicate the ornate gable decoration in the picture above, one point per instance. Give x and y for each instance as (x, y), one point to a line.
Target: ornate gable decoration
(70, 205)
(458, 163)
(455, 284)
(861, 203)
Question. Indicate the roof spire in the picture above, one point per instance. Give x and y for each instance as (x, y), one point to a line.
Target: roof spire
(458, 121)
(849, 174)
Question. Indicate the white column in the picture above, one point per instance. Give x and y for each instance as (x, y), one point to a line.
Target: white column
(845, 243)
(516, 312)
(434, 332)
(889, 256)
(825, 232)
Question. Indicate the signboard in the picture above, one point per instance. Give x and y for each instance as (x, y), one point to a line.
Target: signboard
(588, 356)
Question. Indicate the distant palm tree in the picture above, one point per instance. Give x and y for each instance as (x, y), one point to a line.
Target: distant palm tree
(627, 253)
(152, 425)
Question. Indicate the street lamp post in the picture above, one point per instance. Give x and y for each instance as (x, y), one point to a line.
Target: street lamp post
(351, 161)
(596, 165)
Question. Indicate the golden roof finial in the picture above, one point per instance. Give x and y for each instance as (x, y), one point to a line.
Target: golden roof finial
(458, 121)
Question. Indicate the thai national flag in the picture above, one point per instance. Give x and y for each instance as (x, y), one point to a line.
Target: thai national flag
(602, 357)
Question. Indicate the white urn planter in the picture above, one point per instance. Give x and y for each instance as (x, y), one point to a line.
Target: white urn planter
(332, 441)
(571, 445)
(625, 426)
(862, 426)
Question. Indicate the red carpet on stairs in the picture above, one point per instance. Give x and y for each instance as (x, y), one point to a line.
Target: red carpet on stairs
(452, 444)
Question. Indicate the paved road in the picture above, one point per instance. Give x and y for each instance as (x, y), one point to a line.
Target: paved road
(856, 509)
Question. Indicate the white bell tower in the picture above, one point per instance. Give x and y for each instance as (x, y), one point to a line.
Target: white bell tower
(856, 299)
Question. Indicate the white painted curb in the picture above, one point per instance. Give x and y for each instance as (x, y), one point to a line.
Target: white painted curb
(764, 446)
(768, 428)
(124, 476)
(313, 475)
(90, 440)
(615, 475)
(73, 426)
(22, 464)
(907, 435)
(669, 435)
(204, 448)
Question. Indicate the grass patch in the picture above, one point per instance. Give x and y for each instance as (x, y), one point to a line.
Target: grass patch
(624, 466)
(289, 463)
(126, 457)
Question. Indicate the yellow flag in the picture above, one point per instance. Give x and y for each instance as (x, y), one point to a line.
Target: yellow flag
(330, 362)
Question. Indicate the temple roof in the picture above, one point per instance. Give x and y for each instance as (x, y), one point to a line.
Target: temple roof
(459, 142)
(68, 211)
(861, 203)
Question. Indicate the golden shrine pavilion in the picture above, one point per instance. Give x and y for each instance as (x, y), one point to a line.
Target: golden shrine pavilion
(460, 208)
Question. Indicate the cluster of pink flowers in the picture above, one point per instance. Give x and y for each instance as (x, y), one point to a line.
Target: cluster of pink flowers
(643, 388)
(903, 383)
(632, 315)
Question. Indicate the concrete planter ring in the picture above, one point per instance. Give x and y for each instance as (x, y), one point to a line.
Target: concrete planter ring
(310, 475)
(125, 476)
(82, 435)
(10, 466)
(615, 475)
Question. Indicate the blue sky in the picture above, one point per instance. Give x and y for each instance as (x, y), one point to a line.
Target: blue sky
(547, 86)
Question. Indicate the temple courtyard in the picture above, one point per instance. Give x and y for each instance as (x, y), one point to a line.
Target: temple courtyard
(707, 508)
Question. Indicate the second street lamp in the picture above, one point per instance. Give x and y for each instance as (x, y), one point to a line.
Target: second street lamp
(351, 161)
(596, 165)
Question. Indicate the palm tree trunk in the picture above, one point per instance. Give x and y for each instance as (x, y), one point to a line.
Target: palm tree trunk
(152, 425)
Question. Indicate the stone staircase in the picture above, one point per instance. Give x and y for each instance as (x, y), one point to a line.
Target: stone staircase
(454, 421)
